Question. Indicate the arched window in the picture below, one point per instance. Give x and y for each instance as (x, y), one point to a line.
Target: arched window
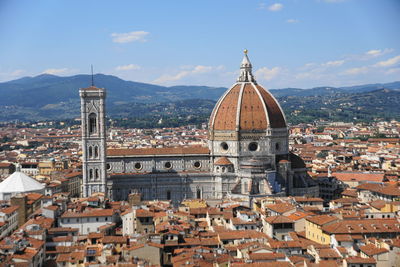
(90, 174)
(97, 174)
(198, 193)
(96, 152)
(92, 123)
(90, 152)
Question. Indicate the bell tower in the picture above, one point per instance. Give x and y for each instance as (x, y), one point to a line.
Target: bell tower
(93, 140)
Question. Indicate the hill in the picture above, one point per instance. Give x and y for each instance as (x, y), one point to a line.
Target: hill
(50, 97)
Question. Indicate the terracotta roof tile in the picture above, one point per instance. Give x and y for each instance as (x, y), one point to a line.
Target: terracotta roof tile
(358, 176)
(278, 219)
(371, 250)
(363, 226)
(258, 110)
(266, 256)
(223, 161)
(225, 113)
(322, 219)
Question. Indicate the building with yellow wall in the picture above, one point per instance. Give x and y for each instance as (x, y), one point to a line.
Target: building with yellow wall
(314, 228)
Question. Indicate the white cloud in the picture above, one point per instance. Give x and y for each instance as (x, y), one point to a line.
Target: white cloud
(56, 71)
(275, 7)
(333, 63)
(356, 71)
(128, 37)
(268, 74)
(370, 54)
(390, 62)
(292, 21)
(10, 75)
(16, 72)
(378, 52)
(308, 65)
(374, 52)
(393, 71)
(188, 71)
(127, 67)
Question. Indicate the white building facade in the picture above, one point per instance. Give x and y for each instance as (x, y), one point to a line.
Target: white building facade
(89, 221)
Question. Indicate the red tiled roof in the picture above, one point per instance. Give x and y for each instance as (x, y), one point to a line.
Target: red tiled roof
(359, 260)
(322, 219)
(266, 256)
(9, 210)
(144, 213)
(358, 176)
(371, 250)
(278, 219)
(223, 161)
(251, 106)
(363, 226)
(281, 207)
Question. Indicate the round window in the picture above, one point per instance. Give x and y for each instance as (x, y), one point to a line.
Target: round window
(197, 164)
(138, 166)
(253, 146)
(224, 146)
(277, 146)
(168, 165)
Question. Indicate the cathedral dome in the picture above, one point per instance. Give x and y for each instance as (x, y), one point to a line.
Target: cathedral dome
(246, 106)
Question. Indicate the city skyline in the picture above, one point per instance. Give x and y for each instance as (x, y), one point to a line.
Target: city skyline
(291, 43)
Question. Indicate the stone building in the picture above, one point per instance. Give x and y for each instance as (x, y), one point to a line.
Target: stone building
(247, 154)
(6, 169)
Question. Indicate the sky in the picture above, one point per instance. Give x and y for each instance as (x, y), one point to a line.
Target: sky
(291, 43)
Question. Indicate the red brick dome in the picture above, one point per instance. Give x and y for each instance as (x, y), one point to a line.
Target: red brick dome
(246, 106)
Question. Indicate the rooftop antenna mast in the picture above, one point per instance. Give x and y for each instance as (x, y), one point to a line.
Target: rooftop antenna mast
(92, 74)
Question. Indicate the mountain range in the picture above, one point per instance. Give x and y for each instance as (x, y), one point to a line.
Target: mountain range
(48, 97)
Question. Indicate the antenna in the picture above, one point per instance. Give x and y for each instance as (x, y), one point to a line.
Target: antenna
(92, 75)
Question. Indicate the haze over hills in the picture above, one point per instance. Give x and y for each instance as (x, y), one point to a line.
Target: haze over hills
(53, 97)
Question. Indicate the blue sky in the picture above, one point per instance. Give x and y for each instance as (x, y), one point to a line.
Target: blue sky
(291, 43)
